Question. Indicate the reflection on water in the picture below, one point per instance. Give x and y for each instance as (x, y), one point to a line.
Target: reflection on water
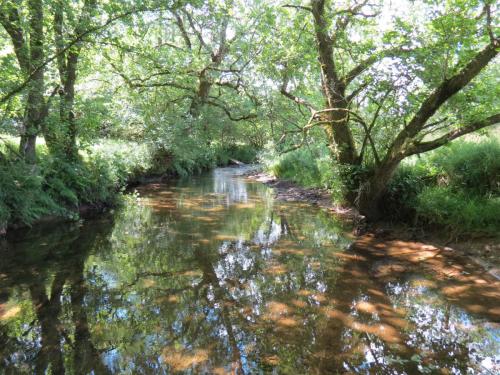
(212, 276)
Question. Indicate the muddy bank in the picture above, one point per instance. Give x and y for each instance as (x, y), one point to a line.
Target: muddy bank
(483, 252)
(289, 192)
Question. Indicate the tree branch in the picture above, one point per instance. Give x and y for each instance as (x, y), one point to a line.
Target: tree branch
(365, 64)
(284, 91)
(9, 18)
(439, 96)
(180, 24)
(421, 147)
(77, 39)
(229, 114)
(195, 30)
(309, 9)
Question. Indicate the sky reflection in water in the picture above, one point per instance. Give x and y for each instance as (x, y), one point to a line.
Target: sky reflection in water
(210, 275)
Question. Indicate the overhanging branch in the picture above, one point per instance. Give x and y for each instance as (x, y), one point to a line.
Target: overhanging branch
(421, 147)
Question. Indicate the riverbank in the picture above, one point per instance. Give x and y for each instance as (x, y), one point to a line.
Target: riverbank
(291, 192)
(57, 190)
(485, 252)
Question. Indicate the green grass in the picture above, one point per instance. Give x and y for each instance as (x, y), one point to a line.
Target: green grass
(309, 167)
(459, 212)
(455, 187)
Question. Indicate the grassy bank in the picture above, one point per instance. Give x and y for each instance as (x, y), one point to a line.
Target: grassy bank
(455, 188)
(55, 187)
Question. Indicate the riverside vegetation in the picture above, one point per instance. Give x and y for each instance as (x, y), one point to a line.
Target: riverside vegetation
(132, 109)
(357, 97)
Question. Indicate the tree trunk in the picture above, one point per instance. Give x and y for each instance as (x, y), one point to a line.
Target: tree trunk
(35, 107)
(67, 114)
(27, 146)
(340, 140)
(371, 192)
(201, 96)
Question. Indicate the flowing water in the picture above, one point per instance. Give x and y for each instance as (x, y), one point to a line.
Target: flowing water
(211, 275)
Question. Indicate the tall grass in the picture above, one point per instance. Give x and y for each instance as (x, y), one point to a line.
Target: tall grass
(455, 187)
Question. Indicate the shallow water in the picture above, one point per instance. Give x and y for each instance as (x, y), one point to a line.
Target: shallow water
(210, 275)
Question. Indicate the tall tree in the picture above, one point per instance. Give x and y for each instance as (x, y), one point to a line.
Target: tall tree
(28, 42)
(67, 65)
(354, 112)
(194, 55)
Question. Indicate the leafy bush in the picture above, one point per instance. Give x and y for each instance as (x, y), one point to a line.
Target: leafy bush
(299, 166)
(58, 187)
(474, 167)
(408, 182)
(22, 195)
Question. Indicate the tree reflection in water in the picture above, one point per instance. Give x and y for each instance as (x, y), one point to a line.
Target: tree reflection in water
(212, 276)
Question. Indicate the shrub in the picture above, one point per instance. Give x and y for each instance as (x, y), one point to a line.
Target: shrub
(58, 187)
(408, 182)
(309, 167)
(457, 187)
(22, 195)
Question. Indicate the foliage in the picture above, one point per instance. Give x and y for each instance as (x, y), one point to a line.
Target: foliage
(455, 186)
(458, 211)
(58, 187)
(189, 85)
(22, 197)
(310, 167)
(471, 166)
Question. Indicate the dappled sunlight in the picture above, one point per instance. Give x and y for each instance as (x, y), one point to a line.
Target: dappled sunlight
(455, 277)
(8, 312)
(229, 282)
(183, 359)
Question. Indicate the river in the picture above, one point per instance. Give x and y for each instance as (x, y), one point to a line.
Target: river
(211, 275)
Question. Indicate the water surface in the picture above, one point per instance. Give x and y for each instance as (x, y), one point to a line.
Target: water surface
(211, 275)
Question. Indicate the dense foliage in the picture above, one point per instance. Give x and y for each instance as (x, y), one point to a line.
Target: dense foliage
(334, 94)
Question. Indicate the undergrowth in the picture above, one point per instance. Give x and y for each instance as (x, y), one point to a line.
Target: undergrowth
(455, 187)
(57, 187)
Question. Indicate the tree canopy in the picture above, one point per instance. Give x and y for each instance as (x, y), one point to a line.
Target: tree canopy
(376, 81)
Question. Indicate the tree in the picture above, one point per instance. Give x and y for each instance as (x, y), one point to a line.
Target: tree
(194, 55)
(28, 42)
(354, 87)
(67, 65)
